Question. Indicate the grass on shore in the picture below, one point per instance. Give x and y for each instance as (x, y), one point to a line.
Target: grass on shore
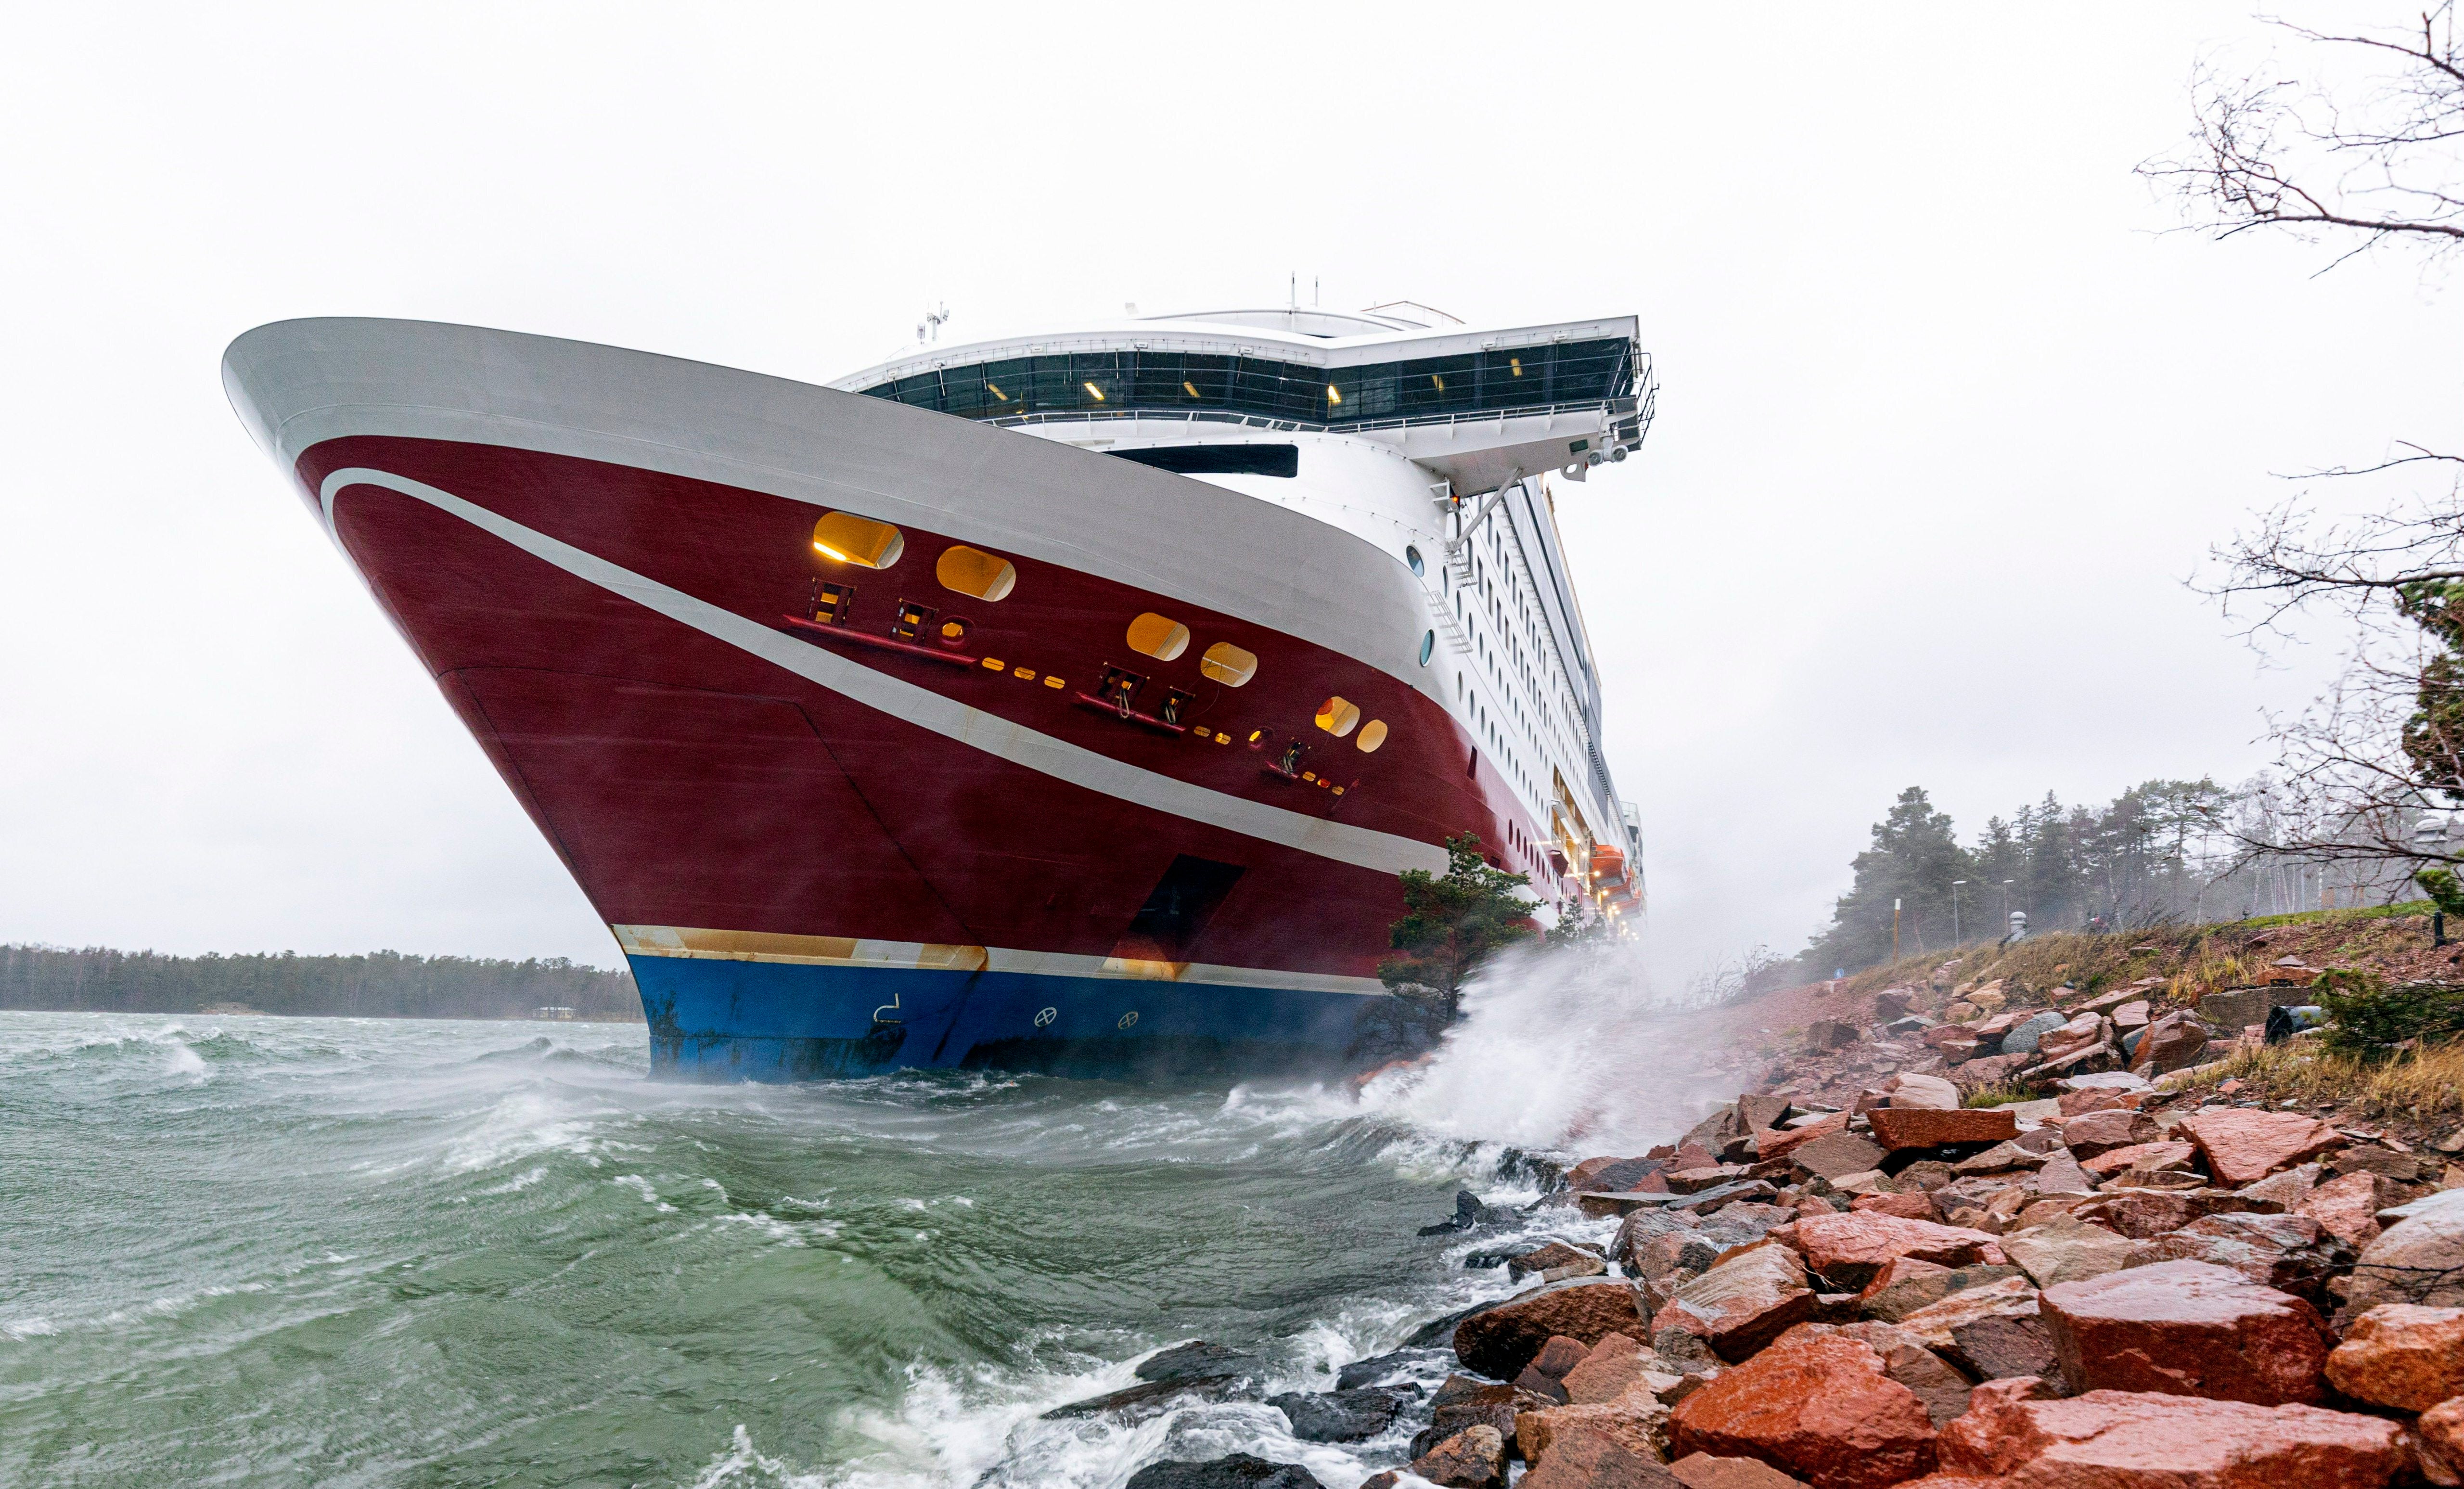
(2425, 1085)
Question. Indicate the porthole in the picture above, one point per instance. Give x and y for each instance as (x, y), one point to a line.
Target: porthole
(1412, 557)
(1257, 739)
(1228, 665)
(1337, 717)
(1158, 638)
(1372, 736)
(849, 538)
(952, 631)
(1428, 647)
(973, 572)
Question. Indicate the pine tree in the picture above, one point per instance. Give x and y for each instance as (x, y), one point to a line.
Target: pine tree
(1913, 861)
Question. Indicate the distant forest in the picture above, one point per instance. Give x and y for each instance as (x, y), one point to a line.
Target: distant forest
(377, 985)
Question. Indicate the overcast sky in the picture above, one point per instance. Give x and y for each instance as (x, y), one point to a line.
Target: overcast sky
(1947, 417)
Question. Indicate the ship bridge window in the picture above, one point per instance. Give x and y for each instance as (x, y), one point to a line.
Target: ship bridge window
(1157, 637)
(849, 538)
(1559, 374)
(974, 573)
(1218, 459)
(1337, 716)
(1228, 664)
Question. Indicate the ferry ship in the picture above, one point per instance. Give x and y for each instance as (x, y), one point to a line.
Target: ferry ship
(1064, 703)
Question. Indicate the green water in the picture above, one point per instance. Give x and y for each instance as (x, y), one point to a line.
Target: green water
(262, 1251)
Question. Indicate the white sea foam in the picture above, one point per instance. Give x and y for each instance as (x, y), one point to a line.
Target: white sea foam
(1555, 1052)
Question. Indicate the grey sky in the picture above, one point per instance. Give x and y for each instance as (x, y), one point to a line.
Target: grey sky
(1945, 420)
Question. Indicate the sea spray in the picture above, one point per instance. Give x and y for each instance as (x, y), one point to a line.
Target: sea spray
(1560, 1049)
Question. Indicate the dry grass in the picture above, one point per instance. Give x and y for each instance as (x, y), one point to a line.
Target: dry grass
(2425, 1086)
(1999, 1094)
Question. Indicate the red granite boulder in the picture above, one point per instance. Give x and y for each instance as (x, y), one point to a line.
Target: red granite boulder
(1850, 1249)
(2114, 1440)
(1742, 1303)
(2186, 1328)
(1473, 1458)
(2101, 1131)
(2439, 1433)
(1903, 1126)
(2244, 1145)
(2349, 1205)
(1780, 1142)
(1822, 1409)
(1588, 1457)
(1500, 1342)
(2402, 1356)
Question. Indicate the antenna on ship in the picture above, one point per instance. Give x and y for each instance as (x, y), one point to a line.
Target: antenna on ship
(929, 329)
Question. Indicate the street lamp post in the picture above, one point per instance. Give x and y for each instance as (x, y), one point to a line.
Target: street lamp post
(1954, 909)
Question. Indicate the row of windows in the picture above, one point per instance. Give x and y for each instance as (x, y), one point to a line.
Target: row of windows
(870, 544)
(1146, 381)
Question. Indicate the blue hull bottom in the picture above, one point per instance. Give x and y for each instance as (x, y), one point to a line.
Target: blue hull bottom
(744, 1021)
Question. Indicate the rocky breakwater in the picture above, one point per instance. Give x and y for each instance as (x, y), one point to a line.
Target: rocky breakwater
(2115, 1285)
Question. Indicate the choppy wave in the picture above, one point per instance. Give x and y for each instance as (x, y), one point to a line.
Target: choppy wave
(465, 1251)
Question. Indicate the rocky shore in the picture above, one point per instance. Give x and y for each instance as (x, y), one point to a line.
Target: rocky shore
(1848, 1278)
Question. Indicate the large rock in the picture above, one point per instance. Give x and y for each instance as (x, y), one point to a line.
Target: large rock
(1583, 1456)
(2244, 1145)
(1238, 1471)
(1742, 1303)
(2144, 1214)
(1615, 1366)
(1473, 1458)
(1636, 1421)
(2066, 1249)
(2349, 1205)
(2176, 1042)
(2140, 1158)
(1704, 1471)
(2085, 1031)
(1343, 1415)
(1912, 1091)
(1849, 1250)
(2418, 1260)
(1909, 1285)
(2290, 1252)
(1462, 1402)
(1548, 1367)
(1937, 1383)
(2009, 1296)
(1500, 1342)
(2186, 1328)
(2402, 1356)
(2021, 1037)
(2440, 1435)
(1554, 1263)
(2101, 1131)
(1834, 1155)
(2112, 1439)
(2003, 1347)
(1897, 1127)
(1774, 1145)
(1612, 1174)
(1822, 1409)
(1825, 1035)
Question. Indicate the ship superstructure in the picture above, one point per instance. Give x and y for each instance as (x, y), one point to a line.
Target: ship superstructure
(1062, 702)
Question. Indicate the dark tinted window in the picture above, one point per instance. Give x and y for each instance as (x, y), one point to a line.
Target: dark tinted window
(1219, 459)
(1516, 378)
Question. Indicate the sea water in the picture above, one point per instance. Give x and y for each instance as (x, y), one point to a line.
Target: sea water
(358, 1252)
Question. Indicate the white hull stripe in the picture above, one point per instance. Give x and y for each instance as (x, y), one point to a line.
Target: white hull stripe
(990, 732)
